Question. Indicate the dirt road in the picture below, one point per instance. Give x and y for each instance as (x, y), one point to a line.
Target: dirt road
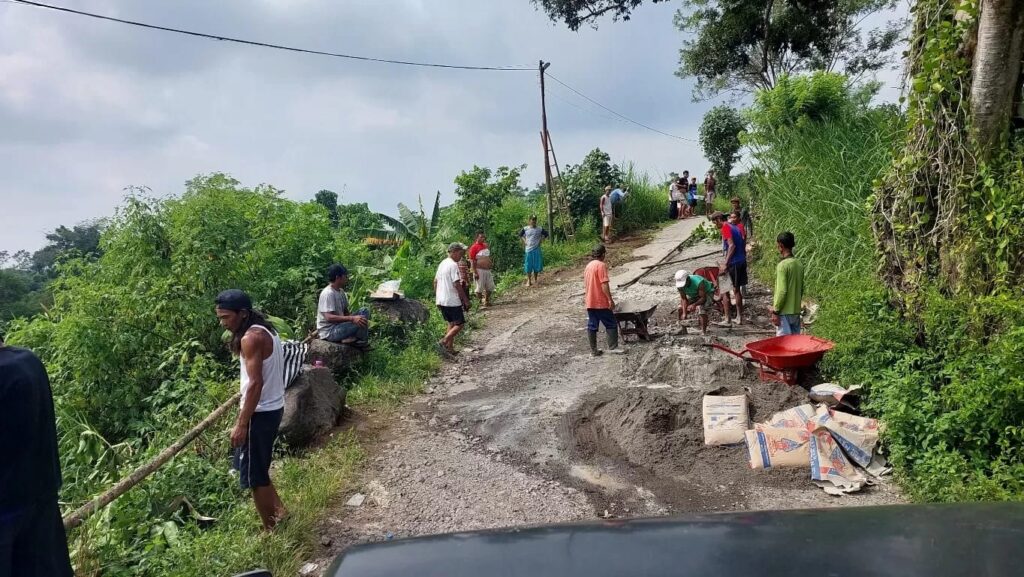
(526, 427)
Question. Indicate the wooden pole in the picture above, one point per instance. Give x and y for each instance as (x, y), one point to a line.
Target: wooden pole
(85, 511)
(541, 67)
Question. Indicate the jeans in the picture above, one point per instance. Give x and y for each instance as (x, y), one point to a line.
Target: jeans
(341, 331)
(601, 316)
(788, 325)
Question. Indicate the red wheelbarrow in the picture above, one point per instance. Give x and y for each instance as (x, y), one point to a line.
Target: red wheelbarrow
(781, 358)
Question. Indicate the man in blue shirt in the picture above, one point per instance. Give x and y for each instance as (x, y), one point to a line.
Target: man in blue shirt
(734, 245)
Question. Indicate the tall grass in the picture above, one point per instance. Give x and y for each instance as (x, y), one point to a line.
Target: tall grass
(816, 183)
(645, 205)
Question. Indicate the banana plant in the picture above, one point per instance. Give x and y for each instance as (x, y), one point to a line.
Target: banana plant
(412, 227)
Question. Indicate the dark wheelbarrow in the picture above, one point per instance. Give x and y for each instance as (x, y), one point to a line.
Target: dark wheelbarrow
(781, 358)
(634, 322)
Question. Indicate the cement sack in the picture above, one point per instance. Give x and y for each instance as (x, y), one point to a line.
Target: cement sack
(795, 418)
(830, 467)
(834, 395)
(776, 447)
(725, 419)
(858, 436)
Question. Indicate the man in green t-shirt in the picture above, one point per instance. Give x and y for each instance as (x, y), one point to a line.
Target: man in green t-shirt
(789, 288)
(694, 296)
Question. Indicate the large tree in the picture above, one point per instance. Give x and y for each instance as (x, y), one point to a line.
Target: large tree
(480, 192)
(720, 139)
(746, 45)
(949, 210)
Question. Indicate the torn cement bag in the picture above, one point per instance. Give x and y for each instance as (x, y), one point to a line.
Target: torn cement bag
(725, 419)
(834, 395)
(795, 418)
(775, 447)
(858, 436)
(830, 467)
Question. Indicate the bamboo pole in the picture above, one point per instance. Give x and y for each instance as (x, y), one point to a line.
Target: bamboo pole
(85, 511)
(653, 267)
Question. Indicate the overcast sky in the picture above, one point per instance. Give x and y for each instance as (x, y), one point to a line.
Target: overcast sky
(89, 107)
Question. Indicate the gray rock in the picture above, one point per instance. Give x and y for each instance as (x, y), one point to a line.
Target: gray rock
(408, 312)
(356, 500)
(338, 358)
(326, 541)
(313, 405)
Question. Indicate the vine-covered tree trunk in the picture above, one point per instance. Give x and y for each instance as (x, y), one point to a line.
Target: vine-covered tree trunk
(996, 72)
(963, 67)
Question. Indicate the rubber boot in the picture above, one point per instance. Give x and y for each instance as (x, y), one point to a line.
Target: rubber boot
(613, 342)
(592, 338)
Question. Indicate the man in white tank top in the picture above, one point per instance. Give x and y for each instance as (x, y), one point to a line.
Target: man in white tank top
(258, 347)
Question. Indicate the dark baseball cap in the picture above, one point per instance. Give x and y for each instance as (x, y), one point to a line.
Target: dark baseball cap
(233, 300)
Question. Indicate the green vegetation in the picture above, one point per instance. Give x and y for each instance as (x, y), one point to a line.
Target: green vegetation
(946, 375)
(136, 358)
(747, 45)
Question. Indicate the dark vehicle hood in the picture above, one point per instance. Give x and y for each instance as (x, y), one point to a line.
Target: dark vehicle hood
(926, 540)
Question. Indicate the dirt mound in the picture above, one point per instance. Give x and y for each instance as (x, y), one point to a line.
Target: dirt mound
(662, 429)
(642, 426)
(682, 361)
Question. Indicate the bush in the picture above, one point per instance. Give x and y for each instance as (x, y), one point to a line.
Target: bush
(948, 378)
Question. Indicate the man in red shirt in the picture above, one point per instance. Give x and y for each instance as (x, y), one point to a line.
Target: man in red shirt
(599, 303)
(480, 263)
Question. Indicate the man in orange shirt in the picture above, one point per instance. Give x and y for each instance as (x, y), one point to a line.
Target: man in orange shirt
(600, 305)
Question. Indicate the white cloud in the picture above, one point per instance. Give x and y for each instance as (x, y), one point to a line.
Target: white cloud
(90, 107)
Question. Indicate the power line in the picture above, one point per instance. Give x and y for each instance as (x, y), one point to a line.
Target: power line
(622, 116)
(267, 44)
(596, 113)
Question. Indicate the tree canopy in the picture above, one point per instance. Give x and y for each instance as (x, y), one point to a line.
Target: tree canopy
(746, 45)
(720, 138)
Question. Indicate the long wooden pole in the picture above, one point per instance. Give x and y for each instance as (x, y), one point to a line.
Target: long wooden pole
(85, 511)
(541, 67)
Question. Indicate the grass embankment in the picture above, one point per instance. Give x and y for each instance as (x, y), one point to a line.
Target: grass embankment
(948, 377)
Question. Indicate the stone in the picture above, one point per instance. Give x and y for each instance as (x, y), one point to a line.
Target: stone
(326, 541)
(408, 312)
(356, 500)
(338, 358)
(308, 569)
(313, 405)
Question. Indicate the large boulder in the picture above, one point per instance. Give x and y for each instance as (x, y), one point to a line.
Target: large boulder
(313, 405)
(409, 312)
(335, 356)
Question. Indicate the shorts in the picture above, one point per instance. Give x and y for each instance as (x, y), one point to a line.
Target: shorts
(453, 315)
(692, 202)
(33, 542)
(702, 307)
(709, 198)
(484, 281)
(601, 316)
(607, 220)
(788, 325)
(738, 274)
(252, 459)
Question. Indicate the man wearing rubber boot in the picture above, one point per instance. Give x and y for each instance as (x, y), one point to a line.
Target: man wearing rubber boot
(600, 305)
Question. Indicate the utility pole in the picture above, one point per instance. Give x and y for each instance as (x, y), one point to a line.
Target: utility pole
(541, 67)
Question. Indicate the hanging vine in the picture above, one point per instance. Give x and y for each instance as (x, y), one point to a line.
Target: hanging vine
(916, 205)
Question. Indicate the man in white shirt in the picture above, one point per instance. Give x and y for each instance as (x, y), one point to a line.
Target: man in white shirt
(451, 296)
(261, 405)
